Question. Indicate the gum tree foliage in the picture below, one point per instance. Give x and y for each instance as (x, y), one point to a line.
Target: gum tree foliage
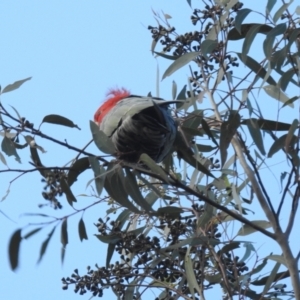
(170, 225)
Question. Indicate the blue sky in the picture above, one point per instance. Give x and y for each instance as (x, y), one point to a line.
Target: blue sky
(74, 51)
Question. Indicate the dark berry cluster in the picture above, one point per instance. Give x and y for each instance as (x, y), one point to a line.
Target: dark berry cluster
(52, 188)
(26, 123)
(180, 44)
(234, 267)
(143, 256)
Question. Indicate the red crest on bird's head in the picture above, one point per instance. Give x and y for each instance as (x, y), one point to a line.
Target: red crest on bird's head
(113, 96)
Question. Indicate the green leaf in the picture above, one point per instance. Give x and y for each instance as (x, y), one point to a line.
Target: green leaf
(123, 218)
(206, 216)
(249, 249)
(101, 140)
(270, 6)
(208, 46)
(181, 96)
(109, 239)
(205, 148)
(17, 113)
(270, 38)
(151, 198)
(271, 278)
(234, 34)
(279, 276)
(171, 211)
(2, 158)
(14, 248)
(240, 17)
(277, 145)
(294, 35)
(228, 130)
(150, 163)
(99, 174)
(64, 238)
(45, 244)
(32, 144)
(184, 152)
(64, 233)
(276, 93)
(59, 120)
(229, 247)
(174, 90)
(207, 130)
(110, 251)
(37, 161)
(278, 258)
(132, 188)
(153, 45)
(279, 57)
(9, 148)
(280, 11)
(32, 232)
(194, 119)
(78, 167)
(247, 229)
(249, 39)
(82, 230)
(190, 274)
(260, 267)
(256, 135)
(180, 62)
(114, 187)
(290, 136)
(286, 78)
(14, 85)
(67, 191)
(256, 68)
(269, 124)
(290, 101)
(170, 57)
(213, 279)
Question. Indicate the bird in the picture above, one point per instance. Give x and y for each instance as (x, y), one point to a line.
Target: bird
(137, 125)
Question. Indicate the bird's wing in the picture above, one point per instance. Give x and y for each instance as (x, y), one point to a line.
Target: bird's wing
(125, 108)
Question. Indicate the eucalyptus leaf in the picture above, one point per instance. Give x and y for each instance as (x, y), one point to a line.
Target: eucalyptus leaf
(78, 167)
(9, 148)
(228, 130)
(270, 6)
(45, 244)
(180, 62)
(276, 93)
(14, 249)
(99, 174)
(256, 68)
(270, 38)
(280, 11)
(208, 46)
(67, 191)
(249, 39)
(101, 140)
(256, 135)
(82, 230)
(247, 229)
(59, 120)
(240, 17)
(14, 85)
(64, 233)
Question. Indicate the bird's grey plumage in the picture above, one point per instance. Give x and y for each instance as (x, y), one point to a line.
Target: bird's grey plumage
(139, 125)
